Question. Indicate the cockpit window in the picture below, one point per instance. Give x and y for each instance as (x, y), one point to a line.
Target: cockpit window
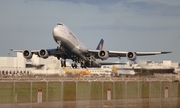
(59, 24)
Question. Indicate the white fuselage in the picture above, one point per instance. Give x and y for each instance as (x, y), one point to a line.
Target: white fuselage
(64, 36)
(61, 33)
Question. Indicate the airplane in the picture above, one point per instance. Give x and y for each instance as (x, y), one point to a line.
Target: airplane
(69, 47)
(125, 72)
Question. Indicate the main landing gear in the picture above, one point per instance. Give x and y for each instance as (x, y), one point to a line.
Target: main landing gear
(74, 65)
(60, 57)
(83, 64)
(63, 63)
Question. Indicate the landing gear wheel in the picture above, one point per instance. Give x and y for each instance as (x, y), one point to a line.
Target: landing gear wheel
(58, 57)
(63, 63)
(83, 64)
(74, 65)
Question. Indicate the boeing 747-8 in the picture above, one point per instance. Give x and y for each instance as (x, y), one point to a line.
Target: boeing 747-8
(69, 47)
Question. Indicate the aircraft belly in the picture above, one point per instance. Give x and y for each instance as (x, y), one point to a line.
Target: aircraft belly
(96, 64)
(79, 53)
(65, 42)
(71, 47)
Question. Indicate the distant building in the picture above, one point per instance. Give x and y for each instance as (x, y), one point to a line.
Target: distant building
(18, 65)
(38, 66)
(165, 66)
(151, 66)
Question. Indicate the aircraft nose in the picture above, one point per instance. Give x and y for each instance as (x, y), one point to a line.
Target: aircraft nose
(55, 31)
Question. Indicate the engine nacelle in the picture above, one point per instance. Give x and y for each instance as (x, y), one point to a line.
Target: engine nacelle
(103, 54)
(27, 54)
(131, 56)
(43, 53)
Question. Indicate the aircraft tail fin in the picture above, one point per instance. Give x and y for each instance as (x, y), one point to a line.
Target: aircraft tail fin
(100, 45)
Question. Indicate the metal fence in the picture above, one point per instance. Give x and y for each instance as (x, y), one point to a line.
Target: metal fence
(89, 93)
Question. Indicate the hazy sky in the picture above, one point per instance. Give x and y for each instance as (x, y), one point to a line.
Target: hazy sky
(125, 25)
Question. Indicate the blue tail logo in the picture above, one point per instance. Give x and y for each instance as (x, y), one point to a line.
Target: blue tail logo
(100, 45)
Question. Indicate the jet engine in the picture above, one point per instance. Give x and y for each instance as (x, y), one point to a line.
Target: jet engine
(43, 53)
(27, 54)
(103, 54)
(131, 56)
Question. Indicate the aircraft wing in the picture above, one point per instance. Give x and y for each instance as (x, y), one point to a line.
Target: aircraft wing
(21, 51)
(123, 53)
(48, 52)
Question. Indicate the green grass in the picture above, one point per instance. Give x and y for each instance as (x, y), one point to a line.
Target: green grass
(132, 90)
(144, 90)
(96, 90)
(83, 90)
(54, 91)
(120, 90)
(6, 92)
(155, 90)
(69, 91)
(22, 90)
